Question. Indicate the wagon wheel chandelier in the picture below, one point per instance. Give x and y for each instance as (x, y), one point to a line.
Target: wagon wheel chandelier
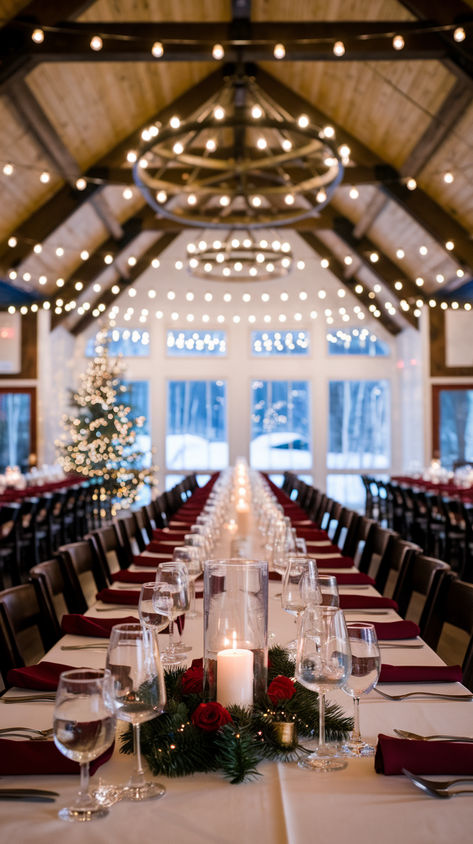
(239, 162)
(240, 256)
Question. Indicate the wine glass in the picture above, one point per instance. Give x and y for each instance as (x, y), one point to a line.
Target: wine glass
(84, 727)
(299, 587)
(136, 692)
(190, 555)
(172, 598)
(323, 662)
(147, 611)
(329, 590)
(366, 664)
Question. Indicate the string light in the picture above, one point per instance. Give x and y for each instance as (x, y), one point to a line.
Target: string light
(279, 51)
(157, 50)
(37, 36)
(218, 52)
(339, 49)
(96, 43)
(398, 42)
(459, 34)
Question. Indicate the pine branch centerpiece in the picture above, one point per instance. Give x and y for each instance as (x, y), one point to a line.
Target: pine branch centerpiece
(195, 735)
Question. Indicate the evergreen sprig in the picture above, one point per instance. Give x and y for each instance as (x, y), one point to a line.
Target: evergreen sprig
(175, 747)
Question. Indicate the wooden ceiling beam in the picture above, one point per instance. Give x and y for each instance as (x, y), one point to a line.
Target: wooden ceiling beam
(36, 121)
(427, 213)
(338, 270)
(107, 297)
(193, 41)
(458, 56)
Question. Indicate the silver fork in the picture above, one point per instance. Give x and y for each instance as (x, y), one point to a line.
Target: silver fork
(439, 789)
(40, 733)
(438, 695)
(416, 737)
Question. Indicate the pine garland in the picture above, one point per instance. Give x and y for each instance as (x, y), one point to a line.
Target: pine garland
(176, 746)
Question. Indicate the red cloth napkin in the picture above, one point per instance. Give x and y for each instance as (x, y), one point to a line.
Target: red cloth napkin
(420, 674)
(174, 534)
(128, 597)
(151, 562)
(40, 757)
(351, 602)
(313, 533)
(396, 629)
(422, 757)
(316, 548)
(125, 576)
(353, 577)
(332, 562)
(44, 677)
(81, 625)
(161, 548)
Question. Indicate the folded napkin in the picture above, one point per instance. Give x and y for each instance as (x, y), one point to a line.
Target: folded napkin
(125, 576)
(422, 757)
(166, 533)
(81, 625)
(315, 547)
(44, 676)
(351, 578)
(312, 533)
(396, 629)
(420, 674)
(352, 602)
(332, 562)
(40, 757)
(151, 562)
(128, 597)
(163, 548)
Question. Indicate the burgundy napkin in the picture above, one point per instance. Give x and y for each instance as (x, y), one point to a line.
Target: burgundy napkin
(332, 562)
(44, 676)
(125, 576)
(160, 548)
(81, 625)
(420, 674)
(40, 757)
(274, 575)
(315, 547)
(164, 535)
(396, 629)
(351, 578)
(128, 597)
(352, 602)
(313, 533)
(422, 757)
(151, 562)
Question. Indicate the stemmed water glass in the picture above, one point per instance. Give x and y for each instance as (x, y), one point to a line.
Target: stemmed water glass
(323, 662)
(172, 598)
(84, 727)
(329, 590)
(149, 615)
(190, 555)
(366, 663)
(299, 588)
(136, 692)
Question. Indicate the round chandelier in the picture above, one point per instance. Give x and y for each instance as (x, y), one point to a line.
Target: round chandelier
(239, 162)
(239, 257)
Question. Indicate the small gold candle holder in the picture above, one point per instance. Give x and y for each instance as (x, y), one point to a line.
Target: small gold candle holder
(285, 732)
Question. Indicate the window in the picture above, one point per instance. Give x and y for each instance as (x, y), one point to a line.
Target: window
(356, 341)
(265, 343)
(359, 425)
(280, 427)
(196, 343)
(453, 424)
(128, 342)
(196, 435)
(17, 428)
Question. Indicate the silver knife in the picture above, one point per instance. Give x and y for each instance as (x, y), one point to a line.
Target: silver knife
(28, 698)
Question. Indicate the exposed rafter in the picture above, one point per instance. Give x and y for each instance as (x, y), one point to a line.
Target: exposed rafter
(107, 297)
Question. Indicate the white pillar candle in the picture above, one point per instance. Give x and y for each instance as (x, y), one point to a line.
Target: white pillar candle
(235, 677)
(242, 517)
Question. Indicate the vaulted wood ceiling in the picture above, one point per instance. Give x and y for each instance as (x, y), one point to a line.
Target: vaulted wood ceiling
(68, 111)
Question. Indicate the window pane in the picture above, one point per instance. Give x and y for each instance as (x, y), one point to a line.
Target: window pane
(196, 343)
(348, 489)
(128, 342)
(356, 341)
(280, 426)
(15, 414)
(456, 427)
(265, 343)
(196, 435)
(359, 425)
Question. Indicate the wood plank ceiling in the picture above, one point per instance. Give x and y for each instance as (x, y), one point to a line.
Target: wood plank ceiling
(68, 112)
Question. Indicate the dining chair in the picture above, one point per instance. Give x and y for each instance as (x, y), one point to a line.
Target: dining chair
(61, 588)
(366, 541)
(109, 549)
(418, 582)
(449, 626)
(10, 554)
(82, 563)
(345, 531)
(391, 562)
(131, 534)
(28, 627)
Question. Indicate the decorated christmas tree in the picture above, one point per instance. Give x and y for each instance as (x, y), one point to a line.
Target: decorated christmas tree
(100, 439)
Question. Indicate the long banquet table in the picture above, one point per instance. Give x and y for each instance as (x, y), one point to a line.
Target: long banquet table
(287, 804)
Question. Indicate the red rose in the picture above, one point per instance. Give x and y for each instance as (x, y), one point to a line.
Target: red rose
(210, 717)
(281, 688)
(192, 680)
